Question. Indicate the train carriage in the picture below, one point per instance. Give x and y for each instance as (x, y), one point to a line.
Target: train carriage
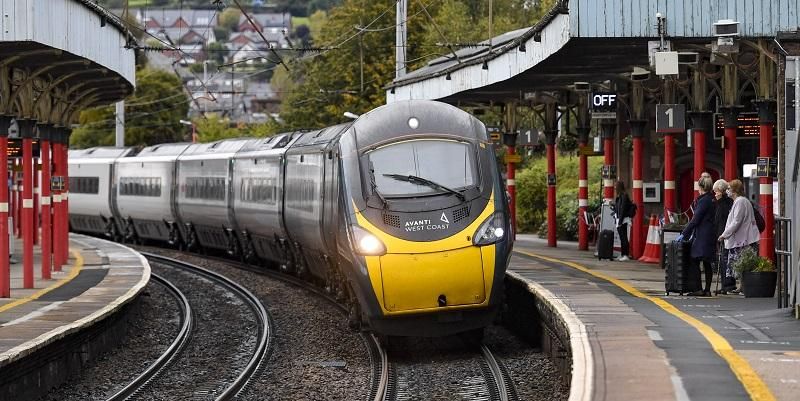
(91, 173)
(203, 195)
(258, 197)
(145, 193)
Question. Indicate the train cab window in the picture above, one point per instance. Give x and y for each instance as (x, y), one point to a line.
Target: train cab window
(84, 185)
(446, 162)
(140, 186)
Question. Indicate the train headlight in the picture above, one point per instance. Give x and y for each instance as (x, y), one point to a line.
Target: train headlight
(367, 244)
(491, 230)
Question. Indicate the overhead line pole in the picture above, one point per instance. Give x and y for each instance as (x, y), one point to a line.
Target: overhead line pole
(401, 38)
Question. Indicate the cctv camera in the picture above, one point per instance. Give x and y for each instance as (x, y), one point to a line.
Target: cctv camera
(726, 27)
(640, 74)
(583, 86)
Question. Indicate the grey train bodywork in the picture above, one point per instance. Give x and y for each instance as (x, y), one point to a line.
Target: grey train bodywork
(294, 199)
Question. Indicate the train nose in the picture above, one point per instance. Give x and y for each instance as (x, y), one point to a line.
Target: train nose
(442, 300)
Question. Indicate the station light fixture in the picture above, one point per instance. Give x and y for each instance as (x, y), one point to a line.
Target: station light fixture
(447, 77)
(522, 47)
(485, 65)
(640, 74)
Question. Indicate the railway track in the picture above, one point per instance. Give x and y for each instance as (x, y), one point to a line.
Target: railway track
(139, 386)
(435, 379)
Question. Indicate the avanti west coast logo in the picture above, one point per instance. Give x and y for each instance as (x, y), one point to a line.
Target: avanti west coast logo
(427, 225)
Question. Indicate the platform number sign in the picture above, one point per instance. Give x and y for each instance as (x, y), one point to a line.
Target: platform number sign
(670, 118)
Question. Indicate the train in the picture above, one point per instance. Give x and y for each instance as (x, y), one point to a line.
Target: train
(400, 213)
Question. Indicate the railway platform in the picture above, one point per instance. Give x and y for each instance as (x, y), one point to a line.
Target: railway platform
(48, 332)
(630, 341)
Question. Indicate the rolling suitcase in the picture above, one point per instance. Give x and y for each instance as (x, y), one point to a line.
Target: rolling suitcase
(676, 267)
(605, 245)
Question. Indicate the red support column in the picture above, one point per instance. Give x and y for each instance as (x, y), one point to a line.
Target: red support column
(699, 143)
(36, 200)
(669, 175)
(731, 116)
(26, 132)
(56, 229)
(18, 197)
(65, 195)
(766, 116)
(583, 190)
(44, 149)
(5, 272)
(511, 172)
(608, 131)
(638, 232)
(552, 222)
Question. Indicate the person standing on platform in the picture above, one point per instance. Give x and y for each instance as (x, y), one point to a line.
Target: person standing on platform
(724, 204)
(701, 229)
(741, 230)
(623, 208)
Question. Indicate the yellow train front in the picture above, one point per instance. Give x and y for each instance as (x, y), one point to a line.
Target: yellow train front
(427, 219)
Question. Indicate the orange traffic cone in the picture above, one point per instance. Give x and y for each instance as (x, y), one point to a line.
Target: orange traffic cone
(652, 249)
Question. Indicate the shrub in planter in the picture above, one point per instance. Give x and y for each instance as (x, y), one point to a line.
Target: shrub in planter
(758, 274)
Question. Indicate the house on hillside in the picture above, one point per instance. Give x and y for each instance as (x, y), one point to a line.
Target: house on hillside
(266, 22)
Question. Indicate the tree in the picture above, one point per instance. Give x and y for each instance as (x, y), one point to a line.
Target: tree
(215, 128)
(152, 114)
(230, 18)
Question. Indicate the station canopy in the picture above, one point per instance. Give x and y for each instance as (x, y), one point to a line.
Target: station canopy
(584, 40)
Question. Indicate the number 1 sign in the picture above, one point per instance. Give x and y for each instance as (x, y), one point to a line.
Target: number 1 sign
(670, 118)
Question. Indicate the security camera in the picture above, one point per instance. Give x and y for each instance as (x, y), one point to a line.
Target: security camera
(640, 74)
(688, 58)
(583, 86)
(726, 27)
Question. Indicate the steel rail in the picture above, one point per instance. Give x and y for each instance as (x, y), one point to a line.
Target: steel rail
(497, 374)
(177, 345)
(265, 329)
(378, 356)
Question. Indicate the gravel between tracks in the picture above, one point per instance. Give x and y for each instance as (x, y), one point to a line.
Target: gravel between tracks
(315, 355)
(150, 331)
(535, 376)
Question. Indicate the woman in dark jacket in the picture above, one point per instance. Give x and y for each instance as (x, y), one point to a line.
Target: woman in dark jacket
(702, 229)
(723, 208)
(622, 207)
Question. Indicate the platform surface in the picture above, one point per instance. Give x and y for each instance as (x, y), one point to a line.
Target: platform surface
(99, 278)
(645, 345)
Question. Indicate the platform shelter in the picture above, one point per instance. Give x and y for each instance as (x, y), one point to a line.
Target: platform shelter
(57, 57)
(711, 73)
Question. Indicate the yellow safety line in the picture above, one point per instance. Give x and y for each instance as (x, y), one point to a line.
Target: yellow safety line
(76, 268)
(753, 384)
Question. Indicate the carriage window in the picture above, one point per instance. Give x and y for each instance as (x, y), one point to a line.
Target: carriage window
(259, 190)
(449, 163)
(211, 188)
(84, 185)
(140, 186)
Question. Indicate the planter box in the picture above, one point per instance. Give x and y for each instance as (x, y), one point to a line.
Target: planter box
(759, 284)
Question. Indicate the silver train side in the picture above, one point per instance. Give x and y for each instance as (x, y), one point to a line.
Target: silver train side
(341, 206)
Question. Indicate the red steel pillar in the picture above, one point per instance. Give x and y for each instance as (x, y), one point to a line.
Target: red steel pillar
(766, 117)
(638, 233)
(669, 175)
(65, 132)
(583, 190)
(18, 197)
(511, 169)
(552, 222)
(56, 229)
(26, 132)
(609, 129)
(731, 118)
(701, 123)
(44, 149)
(5, 273)
(36, 199)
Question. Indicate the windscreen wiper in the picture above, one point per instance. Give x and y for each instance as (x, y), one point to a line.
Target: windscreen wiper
(374, 186)
(426, 182)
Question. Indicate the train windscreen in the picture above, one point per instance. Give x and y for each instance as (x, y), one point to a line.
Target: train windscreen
(422, 167)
